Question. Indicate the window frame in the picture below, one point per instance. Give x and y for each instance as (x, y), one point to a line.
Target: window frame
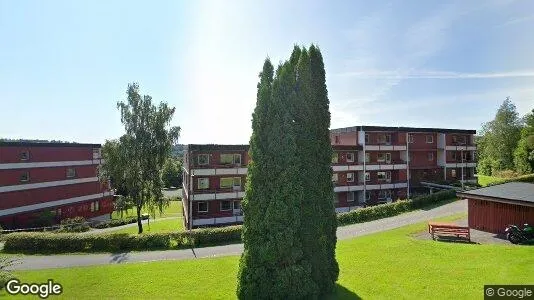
(198, 207)
(352, 155)
(353, 196)
(351, 176)
(25, 174)
(73, 175)
(229, 179)
(25, 155)
(335, 177)
(367, 157)
(367, 176)
(207, 156)
(203, 179)
(411, 138)
(335, 157)
(230, 206)
(431, 139)
(430, 156)
(453, 155)
(367, 196)
(453, 173)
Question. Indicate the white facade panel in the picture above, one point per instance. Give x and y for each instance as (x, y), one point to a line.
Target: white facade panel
(203, 172)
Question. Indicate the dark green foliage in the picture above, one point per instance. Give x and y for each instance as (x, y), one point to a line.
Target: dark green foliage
(76, 224)
(171, 174)
(5, 273)
(392, 209)
(524, 153)
(290, 225)
(43, 219)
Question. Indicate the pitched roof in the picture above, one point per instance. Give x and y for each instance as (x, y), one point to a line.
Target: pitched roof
(515, 191)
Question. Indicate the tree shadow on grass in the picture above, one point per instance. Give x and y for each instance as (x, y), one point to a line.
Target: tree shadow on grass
(341, 292)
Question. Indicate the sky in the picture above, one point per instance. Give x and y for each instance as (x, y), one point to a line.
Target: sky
(446, 64)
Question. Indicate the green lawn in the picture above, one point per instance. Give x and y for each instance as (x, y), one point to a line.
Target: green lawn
(173, 210)
(157, 225)
(388, 265)
(484, 180)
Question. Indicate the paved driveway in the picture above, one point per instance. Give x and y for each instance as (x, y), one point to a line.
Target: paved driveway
(345, 232)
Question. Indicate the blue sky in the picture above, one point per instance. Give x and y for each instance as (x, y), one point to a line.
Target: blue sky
(65, 64)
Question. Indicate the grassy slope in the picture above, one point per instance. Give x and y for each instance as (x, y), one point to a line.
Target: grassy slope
(484, 180)
(385, 265)
(173, 210)
(171, 225)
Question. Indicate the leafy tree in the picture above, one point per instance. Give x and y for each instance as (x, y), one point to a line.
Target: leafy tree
(172, 173)
(524, 153)
(134, 162)
(290, 225)
(500, 138)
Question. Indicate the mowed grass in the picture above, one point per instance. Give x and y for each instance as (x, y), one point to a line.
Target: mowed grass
(484, 180)
(388, 265)
(173, 210)
(168, 225)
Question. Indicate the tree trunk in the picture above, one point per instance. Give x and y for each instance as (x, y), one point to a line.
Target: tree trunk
(139, 224)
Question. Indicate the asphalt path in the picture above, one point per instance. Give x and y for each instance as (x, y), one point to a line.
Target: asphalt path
(34, 262)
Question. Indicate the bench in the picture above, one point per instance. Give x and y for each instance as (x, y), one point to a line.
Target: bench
(448, 229)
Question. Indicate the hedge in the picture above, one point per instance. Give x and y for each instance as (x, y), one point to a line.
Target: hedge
(119, 222)
(39, 242)
(392, 209)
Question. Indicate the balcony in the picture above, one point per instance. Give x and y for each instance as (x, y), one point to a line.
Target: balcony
(221, 194)
(219, 170)
(460, 147)
(464, 164)
(385, 147)
(392, 165)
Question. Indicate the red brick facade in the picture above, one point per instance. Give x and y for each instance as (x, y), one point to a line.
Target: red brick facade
(56, 178)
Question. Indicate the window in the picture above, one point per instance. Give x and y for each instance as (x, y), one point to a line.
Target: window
(410, 138)
(453, 173)
(351, 196)
(203, 183)
(237, 205)
(381, 157)
(237, 181)
(226, 205)
(25, 177)
(384, 176)
(465, 156)
(71, 172)
(96, 153)
(366, 139)
(350, 157)
(92, 206)
(384, 139)
(334, 177)
(350, 177)
(429, 139)
(335, 158)
(367, 157)
(430, 156)
(230, 159)
(58, 212)
(453, 155)
(367, 176)
(226, 182)
(203, 159)
(202, 206)
(335, 199)
(384, 194)
(367, 195)
(336, 138)
(388, 157)
(25, 155)
(97, 206)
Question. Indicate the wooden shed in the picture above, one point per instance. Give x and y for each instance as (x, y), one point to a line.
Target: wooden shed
(493, 208)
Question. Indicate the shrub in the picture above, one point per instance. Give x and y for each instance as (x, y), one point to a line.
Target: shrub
(392, 209)
(119, 222)
(76, 224)
(5, 275)
(212, 236)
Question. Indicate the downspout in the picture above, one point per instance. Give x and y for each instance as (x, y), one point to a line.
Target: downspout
(191, 188)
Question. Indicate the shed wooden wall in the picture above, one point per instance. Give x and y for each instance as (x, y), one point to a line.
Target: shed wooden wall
(495, 216)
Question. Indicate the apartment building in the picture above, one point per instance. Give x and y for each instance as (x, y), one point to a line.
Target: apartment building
(371, 165)
(213, 184)
(60, 178)
(387, 163)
